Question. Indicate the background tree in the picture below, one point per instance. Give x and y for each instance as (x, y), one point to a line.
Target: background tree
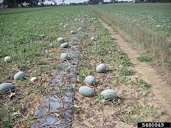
(32, 2)
(95, 1)
(15, 3)
(11, 3)
(153, 1)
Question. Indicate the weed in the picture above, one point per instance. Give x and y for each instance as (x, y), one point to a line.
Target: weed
(151, 111)
(84, 73)
(99, 98)
(136, 109)
(144, 58)
(121, 57)
(135, 119)
(127, 71)
(6, 115)
(41, 89)
(143, 85)
(75, 108)
(126, 62)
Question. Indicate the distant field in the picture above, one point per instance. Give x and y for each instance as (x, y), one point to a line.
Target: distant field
(21, 10)
(148, 26)
(154, 16)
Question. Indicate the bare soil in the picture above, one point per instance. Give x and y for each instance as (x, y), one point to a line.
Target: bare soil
(160, 86)
(135, 103)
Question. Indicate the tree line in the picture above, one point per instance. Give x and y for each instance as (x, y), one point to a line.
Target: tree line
(15, 3)
(153, 1)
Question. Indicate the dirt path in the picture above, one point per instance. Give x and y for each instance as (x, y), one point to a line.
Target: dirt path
(160, 87)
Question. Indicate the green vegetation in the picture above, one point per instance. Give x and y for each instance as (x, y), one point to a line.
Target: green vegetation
(143, 85)
(20, 37)
(144, 58)
(148, 26)
(133, 90)
(29, 36)
(153, 16)
(5, 116)
(127, 71)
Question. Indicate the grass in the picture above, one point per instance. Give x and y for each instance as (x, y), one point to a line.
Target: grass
(127, 71)
(149, 28)
(138, 113)
(5, 116)
(143, 85)
(144, 58)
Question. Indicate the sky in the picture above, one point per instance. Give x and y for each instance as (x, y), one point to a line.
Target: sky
(76, 1)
